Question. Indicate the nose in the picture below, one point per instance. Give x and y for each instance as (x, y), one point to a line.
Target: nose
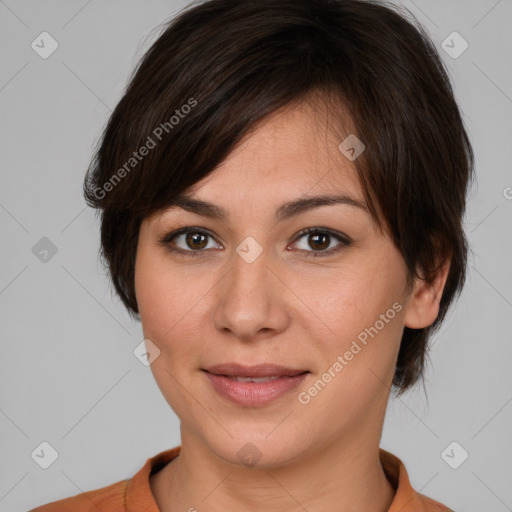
(251, 299)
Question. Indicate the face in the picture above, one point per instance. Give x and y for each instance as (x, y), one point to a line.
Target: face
(255, 288)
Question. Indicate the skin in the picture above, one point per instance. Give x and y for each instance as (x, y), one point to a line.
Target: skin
(283, 308)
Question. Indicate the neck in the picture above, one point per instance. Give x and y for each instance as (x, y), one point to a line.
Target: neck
(344, 475)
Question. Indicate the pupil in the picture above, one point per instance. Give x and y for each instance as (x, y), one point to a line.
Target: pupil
(317, 237)
(194, 238)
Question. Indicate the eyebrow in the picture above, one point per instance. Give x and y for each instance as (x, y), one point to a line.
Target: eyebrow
(285, 211)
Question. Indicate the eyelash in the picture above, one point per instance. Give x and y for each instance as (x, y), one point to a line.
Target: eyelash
(166, 241)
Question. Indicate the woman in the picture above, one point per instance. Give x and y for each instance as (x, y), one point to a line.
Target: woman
(282, 188)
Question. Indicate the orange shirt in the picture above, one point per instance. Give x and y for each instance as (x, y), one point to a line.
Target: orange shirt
(135, 495)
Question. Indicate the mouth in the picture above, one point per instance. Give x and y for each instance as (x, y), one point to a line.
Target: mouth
(253, 386)
(259, 371)
(256, 379)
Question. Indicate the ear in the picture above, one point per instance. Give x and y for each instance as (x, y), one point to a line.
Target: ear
(423, 306)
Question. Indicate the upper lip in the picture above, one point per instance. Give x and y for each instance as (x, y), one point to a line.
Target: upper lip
(259, 370)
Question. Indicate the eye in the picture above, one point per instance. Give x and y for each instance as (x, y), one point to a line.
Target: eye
(319, 240)
(192, 241)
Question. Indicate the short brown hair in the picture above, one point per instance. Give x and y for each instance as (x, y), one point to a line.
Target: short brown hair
(232, 63)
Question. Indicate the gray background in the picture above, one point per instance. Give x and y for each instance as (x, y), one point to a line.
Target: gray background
(68, 374)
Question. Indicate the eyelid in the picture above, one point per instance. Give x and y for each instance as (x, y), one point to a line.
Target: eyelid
(319, 229)
(172, 234)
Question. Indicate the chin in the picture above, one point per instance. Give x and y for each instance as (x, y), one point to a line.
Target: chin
(256, 451)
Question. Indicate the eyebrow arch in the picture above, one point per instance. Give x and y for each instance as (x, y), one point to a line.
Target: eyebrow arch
(285, 211)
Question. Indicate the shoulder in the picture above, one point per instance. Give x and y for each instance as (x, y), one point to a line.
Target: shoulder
(132, 494)
(406, 498)
(107, 499)
(430, 505)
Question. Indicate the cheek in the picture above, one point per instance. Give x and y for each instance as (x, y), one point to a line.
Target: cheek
(159, 294)
(170, 306)
(358, 355)
(349, 299)
(361, 305)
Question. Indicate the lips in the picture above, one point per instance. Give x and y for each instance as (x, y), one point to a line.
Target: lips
(254, 386)
(261, 371)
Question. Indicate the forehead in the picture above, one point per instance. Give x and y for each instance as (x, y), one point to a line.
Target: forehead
(290, 152)
(288, 157)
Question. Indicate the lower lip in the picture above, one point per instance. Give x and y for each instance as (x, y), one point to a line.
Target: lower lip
(254, 394)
